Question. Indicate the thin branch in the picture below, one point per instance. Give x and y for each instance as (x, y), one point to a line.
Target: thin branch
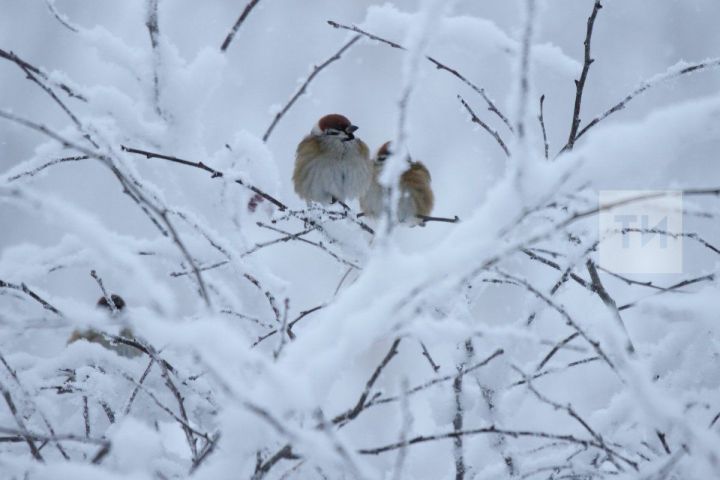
(153, 27)
(361, 403)
(572, 413)
(319, 245)
(609, 303)
(556, 349)
(429, 358)
(283, 331)
(479, 431)
(302, 315)
(669, 74)
(580, 84)
(563, 313)
(24, 288)
(34, 171)
(29, 439)
(108, 298)
(138, 385)
(541, 119)
(305, 84)
(476, 119)
(25, 66)
(525, 51)
(35, 408)
(438, 65)
(213, 173)
(231, 34)
(59, 17)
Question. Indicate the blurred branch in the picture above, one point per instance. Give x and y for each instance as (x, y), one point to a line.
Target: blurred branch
(541, 119)
(153, 27)
(479, 431)
(139, 383)
(34, 171)
(34, 406)
(580, 84)
(59, 17)
(426, 218)
(361, 403)
(524, 70)
(556, 349)
(429, 358)
(290, 326)
(438, 65)
(29, 439)
(303, 87)
(24, 288)
(492, 132)
(609, 302)
(233, 31)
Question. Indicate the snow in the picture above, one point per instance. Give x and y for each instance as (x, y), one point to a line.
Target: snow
(258, 327)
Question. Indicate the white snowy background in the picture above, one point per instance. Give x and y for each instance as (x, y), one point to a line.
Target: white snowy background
(419, 339)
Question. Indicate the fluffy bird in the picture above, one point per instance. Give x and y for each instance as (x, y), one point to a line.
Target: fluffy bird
(416, 195)
(331, 163)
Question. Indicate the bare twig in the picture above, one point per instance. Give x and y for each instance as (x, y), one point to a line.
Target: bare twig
(426, 218)
(479, 431)
(563, 313)
(29, 439)
(580, 83)
(283, 331)
(303, 87)
(290, 333)
(59, 17)
(438, 65)
(233, 31)
(429, 358)
(213, 173)
(153, 27)
(524, 74)
(34, 171)
(24, 288)
(361, 403)
(541, 119)
(139, 383)
(556, 349)
(35, 408)
(319, 245)
(106, 295)
(609, 303)
(671, 73)
(476, 119)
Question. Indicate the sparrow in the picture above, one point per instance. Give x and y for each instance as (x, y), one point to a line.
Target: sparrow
(95, 336)
(416, 195)
(331, 163)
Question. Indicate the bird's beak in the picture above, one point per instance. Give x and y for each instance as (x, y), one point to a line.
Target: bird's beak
(349, 132)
